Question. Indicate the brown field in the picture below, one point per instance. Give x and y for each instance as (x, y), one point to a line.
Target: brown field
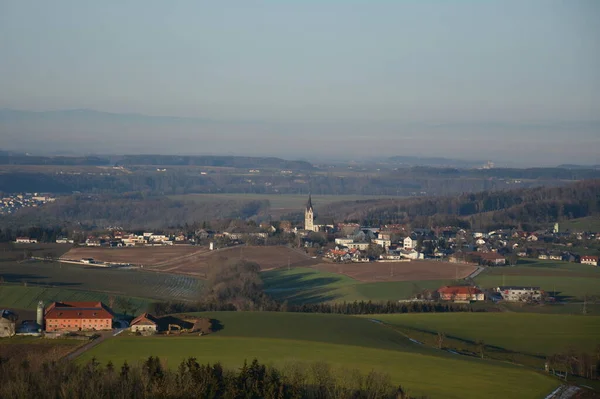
(267, 257)
(147, 256)
(399, 271)
(193, 260)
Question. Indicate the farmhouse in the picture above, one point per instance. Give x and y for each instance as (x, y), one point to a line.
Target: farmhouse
(144, 323)
(8, 320)
(407, 243)
(78, 316)
(493, 258)
(461, 293)
(589, 260)
(520, 294)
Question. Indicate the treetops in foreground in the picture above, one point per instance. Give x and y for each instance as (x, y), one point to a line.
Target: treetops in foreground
(151, 379)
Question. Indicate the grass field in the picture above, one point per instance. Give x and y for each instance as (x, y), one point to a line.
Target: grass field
(123, 282)
(590, 223)
(537, 334)
(311, 285)
(19, 297)
(570, 281)
(342, 341)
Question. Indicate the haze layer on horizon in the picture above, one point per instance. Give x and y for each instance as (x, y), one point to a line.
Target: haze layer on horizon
(502, 80)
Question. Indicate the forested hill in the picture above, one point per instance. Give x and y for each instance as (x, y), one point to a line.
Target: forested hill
(521, 208)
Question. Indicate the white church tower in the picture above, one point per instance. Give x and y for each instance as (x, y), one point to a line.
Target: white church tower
(309, 215)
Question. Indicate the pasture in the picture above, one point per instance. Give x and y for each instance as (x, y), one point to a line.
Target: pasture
(533, 334)
(416, 270)
(344, 342)
(112, 281)
(27, 298)
(312, 285)
(570, 281)
(590, 223)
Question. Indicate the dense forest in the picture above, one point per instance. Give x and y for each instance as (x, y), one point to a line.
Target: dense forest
(487, 209)
(129, 211)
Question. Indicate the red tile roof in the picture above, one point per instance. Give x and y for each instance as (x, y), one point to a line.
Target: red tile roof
(458, 290)
(146, 317)
(78, 310)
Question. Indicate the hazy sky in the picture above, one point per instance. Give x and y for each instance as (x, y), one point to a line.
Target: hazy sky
(397, 77)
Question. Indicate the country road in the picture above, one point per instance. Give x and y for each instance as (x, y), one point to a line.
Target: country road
(104, 335)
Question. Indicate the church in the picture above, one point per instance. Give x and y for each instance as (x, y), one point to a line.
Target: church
(309, 219)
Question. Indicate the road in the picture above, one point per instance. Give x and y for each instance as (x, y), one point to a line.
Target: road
(104, 335)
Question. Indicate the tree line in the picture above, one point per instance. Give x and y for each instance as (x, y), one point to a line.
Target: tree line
(523, 208)
(151, 379)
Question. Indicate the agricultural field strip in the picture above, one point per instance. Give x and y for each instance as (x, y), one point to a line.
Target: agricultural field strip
(161, 286)
(344, 341)
(530, 334)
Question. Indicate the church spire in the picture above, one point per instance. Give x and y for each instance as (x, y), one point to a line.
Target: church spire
(309, 203)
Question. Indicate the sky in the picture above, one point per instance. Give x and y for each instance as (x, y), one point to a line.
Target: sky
(501, 80)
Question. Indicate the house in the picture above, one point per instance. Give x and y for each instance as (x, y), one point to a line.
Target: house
(407, 243)
(520, 294)
(532, 237)
(144, 323)
(382, 242)
(461, 293)
(344, 241)
(25, 240)
(62, 240)
(589, 260)
(493, 258)
(8, 319)
(77, 316)
(93, 242)
(361, 246)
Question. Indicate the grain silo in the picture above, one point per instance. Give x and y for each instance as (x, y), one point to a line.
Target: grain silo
(40, 314)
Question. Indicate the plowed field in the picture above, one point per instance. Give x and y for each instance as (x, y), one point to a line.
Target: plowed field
(399, 271)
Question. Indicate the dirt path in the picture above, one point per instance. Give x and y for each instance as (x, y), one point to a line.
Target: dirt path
(104, 335)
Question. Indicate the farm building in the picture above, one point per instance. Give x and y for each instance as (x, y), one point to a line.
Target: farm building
(25, 240)
(589, 260)
(8, 320)
(520, 294)
(493, 258)
(461, 293)
(78, 316)
(144, 323)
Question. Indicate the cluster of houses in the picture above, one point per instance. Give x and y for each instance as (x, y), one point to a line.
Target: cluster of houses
(63, 317)
(356, 247)
(13, 202)
(505, 293)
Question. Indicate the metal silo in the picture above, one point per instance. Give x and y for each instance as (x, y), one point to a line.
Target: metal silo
(40, 314)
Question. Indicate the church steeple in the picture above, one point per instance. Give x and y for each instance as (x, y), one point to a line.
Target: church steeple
(309, 215)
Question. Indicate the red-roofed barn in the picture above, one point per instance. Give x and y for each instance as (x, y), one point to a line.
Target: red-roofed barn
(78, 316)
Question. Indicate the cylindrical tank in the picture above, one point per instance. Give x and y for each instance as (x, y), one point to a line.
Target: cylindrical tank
(40, 314)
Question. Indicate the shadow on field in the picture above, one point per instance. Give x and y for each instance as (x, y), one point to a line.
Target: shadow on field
(216, 325)
(34, 280)
(471, 346)
(298, 289)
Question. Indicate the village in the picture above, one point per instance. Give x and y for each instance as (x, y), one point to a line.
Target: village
(14, 202)
(351, 242)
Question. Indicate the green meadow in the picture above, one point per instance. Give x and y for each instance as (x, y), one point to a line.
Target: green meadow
(308, 285)
(344, 342)
(530, 333)
(19, 297)
(570, 281)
